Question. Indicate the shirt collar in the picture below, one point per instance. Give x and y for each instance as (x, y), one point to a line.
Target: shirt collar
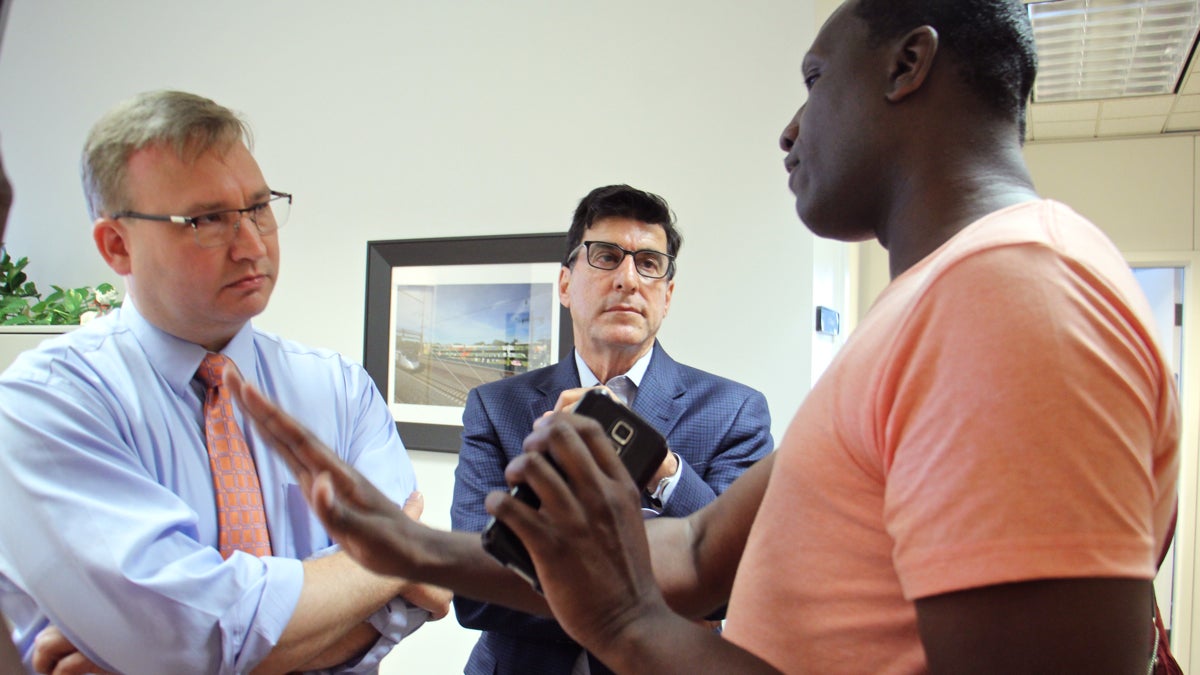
(176, 359)
(635, 374)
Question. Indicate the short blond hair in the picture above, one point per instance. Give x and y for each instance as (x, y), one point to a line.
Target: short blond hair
(187, 123)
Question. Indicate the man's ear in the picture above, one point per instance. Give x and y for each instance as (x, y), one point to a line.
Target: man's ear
(911, 62)
(564, 285)
(112, 240)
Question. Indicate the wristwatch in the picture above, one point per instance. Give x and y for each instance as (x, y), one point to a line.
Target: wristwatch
(656, 495)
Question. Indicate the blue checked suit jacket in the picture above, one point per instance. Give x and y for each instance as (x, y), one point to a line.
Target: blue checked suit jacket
(717, 426)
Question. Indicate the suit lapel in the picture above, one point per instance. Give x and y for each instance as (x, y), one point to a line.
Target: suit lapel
(660, 397)
(552, 382)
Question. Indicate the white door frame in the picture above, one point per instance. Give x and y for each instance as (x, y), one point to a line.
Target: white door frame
(1185, 632)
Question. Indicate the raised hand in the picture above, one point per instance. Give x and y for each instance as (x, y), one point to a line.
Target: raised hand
(370, 527)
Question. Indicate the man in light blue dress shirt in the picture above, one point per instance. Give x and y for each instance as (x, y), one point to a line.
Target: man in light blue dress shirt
(108, 545)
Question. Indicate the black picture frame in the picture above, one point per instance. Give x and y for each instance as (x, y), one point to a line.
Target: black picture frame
(382, 259)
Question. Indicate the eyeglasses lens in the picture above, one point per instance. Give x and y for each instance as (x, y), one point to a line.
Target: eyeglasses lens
(650, 264)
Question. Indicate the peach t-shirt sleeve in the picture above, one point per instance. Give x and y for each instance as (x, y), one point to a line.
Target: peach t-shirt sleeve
(1014, 464)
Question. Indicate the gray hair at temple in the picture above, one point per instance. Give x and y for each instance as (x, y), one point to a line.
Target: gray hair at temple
(190, 124)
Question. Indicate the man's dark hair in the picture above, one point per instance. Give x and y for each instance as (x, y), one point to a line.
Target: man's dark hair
(622, 201)
(992, 39)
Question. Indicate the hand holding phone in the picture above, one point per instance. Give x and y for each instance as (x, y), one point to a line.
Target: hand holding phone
(639, 445)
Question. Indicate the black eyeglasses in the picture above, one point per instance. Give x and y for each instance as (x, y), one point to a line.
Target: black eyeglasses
(219, 228)
(648, 262)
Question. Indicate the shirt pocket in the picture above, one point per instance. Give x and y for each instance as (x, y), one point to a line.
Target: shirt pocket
(307, 534)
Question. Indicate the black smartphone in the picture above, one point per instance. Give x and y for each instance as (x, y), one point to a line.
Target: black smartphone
(639, 445)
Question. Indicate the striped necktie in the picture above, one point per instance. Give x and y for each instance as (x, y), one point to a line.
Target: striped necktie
(241, 520)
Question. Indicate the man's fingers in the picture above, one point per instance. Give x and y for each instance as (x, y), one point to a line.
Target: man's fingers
(372, 533)
(277, 425)
(49, 647)
(54, 654)
(78, 664)
(433, 599)
(327, 506)
(304, 453)
(263, 415)
(517, 515)
(344, 519)
(570, 439)
(569, 397)
(414, 506)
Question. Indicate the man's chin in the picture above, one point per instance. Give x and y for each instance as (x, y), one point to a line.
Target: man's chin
(248, 306)
(624, 337)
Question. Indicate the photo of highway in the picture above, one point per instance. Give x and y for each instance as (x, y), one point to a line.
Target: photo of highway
(451, 338)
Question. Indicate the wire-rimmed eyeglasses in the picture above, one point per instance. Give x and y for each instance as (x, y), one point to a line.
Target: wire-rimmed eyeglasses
(220, 227)
(648, 262)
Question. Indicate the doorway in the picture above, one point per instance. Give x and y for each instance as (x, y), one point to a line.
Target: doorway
(1170, 285)
(1163, 287)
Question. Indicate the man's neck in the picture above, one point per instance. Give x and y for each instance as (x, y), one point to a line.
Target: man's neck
(609, 363)
(938, 203)
(212, 338)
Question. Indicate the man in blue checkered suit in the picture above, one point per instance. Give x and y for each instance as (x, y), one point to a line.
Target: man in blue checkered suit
(617, 279)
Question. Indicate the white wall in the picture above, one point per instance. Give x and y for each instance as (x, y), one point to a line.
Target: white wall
(413, 119)
(1140, 191)
(393, 120)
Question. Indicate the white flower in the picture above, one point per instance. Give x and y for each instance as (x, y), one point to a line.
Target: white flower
(87, 316)
(108, 297)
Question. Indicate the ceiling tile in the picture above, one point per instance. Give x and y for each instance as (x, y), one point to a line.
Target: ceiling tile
(1137, 107)
(1057, 130)
(1065, 112)
(1132, 126)
(1185, 104)
(1192, 84)
(1184, 122)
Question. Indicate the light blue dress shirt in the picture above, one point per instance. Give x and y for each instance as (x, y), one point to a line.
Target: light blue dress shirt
(109, 526)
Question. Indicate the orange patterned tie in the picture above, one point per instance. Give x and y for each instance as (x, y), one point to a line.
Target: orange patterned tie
(241, 520)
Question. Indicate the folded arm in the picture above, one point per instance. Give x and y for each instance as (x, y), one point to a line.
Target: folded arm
(142, 549)
(329, 625)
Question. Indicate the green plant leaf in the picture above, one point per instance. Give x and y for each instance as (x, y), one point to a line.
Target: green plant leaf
(22, 304)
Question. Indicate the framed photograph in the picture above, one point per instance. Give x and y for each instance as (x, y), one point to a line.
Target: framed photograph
(446, 315)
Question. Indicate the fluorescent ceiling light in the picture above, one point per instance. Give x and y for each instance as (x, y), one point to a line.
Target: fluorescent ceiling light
(1089, 49)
